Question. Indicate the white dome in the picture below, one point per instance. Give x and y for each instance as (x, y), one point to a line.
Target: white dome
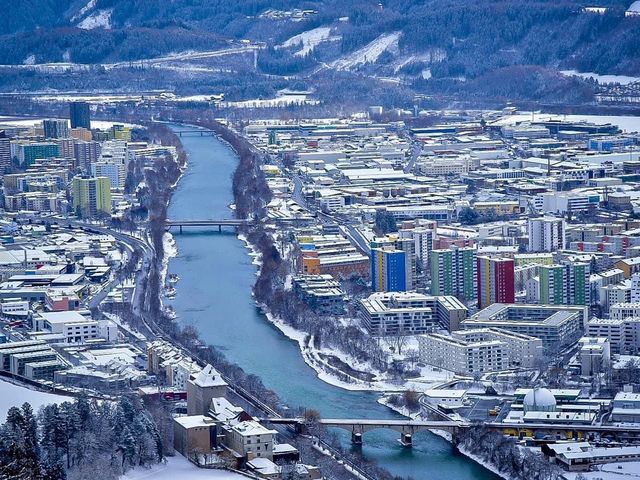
(539, 399)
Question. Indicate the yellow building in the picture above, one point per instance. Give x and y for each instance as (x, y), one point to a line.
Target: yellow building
(500, 208)
(91, 195)
(120, 132)
(629, 266)
(523, 259)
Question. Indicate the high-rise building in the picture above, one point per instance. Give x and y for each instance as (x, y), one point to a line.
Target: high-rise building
(407, 245)
(85, 154)
(546, 234)
(80, 115)
(566, 284)
(91, 195)
(66, 149)
(453, 272)
(28, 152)
(105, 169)
(55, 128)
(496, 281)
(423, 238)
(5, 151)
(388, 270)
(117, 153)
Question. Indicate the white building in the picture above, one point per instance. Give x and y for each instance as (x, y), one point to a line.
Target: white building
(567, 202)
(623, 333)
(445, 396)
(462, 357)
(546, 234)
(405, 313)
(109, 170)
(594, 354)
(68, 326)
(626, 407)
(250, 439)
(116, 153)
(556, 326)
(476, 351)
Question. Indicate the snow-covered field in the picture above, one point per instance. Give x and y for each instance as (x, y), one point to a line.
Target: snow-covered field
(15, 395)
(178, 468)
(369, 53)
(621, 79)
(308, 40)
(99, 19)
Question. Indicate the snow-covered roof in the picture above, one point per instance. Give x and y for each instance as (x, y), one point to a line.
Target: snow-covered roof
(209, 377)
(634, 7)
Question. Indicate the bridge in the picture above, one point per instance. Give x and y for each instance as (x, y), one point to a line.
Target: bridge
(233, 222)
(407, 428)
(196, 133)
(357, 427)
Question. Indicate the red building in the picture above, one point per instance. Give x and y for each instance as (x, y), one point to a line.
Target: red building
(496, 281)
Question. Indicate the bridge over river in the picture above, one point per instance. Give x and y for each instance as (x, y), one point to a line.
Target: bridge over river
(408, 428)
(233, 222)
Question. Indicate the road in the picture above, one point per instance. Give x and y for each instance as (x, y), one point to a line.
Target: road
(146, 254)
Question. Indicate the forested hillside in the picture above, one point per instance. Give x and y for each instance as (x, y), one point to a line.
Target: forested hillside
(441, 46)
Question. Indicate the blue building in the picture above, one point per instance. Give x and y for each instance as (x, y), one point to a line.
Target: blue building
(388, 270)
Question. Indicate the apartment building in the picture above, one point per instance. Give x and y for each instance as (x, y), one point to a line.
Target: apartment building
(623, 333)
(546, 234)
(397, 313)
(469, 352)
(556, 326)
(453, 272)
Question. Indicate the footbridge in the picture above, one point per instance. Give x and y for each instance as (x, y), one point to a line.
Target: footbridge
(234, 223)
(357, 427)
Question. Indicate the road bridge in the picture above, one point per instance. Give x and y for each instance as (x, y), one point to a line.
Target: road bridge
(196, 133)
(233, 222)
(407, 428)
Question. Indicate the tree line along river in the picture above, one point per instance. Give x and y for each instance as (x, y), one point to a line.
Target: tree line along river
(214, 294)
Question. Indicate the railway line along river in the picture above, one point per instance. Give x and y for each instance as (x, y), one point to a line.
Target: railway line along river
(214, 294)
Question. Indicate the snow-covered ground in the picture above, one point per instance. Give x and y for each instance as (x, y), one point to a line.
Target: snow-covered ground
(433, 55)
(30, 122)
(626, 123)
(99, 19)
(369, 53)
(429, 377)
(280, 101)
(309, 40)
(178, 468)
(84, 10)
(12, 395)
(611, 471)
(621, 79)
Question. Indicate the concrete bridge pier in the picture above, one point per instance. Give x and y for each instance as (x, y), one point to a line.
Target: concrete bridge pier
(356, 438)
(406, 440)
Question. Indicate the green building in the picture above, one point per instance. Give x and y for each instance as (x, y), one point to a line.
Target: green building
(566, 284)
(27, 153)
(453, 272)
(91, 195)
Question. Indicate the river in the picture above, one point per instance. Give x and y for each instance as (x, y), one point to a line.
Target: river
(214, 294)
